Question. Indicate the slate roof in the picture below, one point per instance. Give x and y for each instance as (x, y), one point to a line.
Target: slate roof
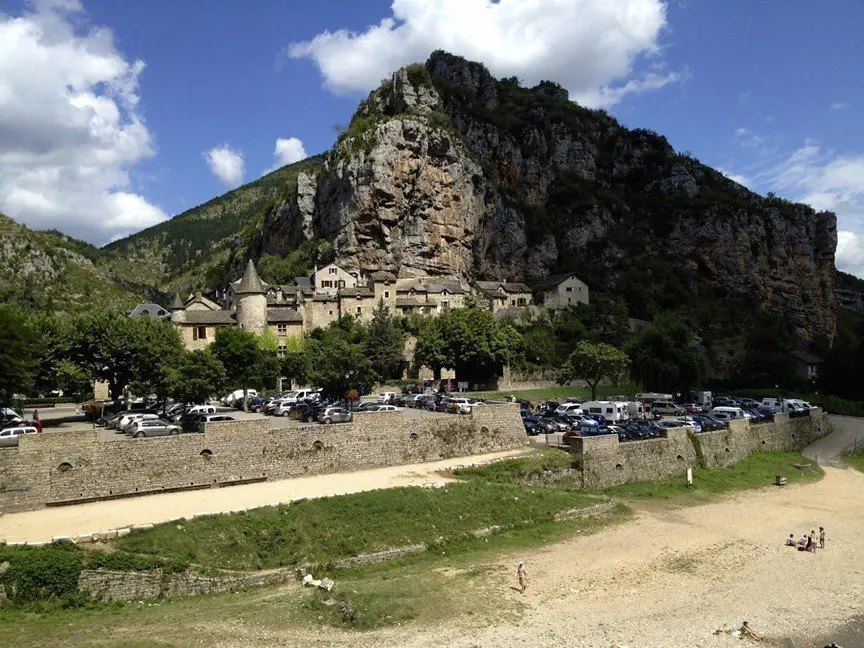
(556, 279)
(176, 303)
(149, 310)
(409, 301)
(210, 317)
(381, 275)
(806, 357)
(275, 315)
(250, 284)
(493, 286)
(356, 292)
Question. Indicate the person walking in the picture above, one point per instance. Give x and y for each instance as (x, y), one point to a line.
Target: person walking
(37, 423)
(821, 538)
(522, 576)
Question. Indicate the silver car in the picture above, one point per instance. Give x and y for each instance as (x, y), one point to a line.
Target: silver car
(335, 415)
(151, 428)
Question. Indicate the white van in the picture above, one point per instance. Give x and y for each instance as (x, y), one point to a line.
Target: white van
(651, 397)
(727, 414)
(609, 410)
(666, 407)
(569, 409)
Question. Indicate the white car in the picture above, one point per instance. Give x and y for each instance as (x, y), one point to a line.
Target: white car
(9, 436)
(126, 422)
(569, 409)
(386, 397)
(690, 422)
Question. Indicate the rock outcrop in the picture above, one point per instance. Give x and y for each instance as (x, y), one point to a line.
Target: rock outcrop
(445, 170)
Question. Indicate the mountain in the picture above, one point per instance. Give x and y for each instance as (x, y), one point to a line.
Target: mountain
(182, 251)
(49, 270)
(445, 170)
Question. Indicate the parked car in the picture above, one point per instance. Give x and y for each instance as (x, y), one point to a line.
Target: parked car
(726, 413)
(335, 415)
(532, 426)
(9, 436)
(150, 428)
(569, 409)
(544, 426)
(126, 422)
(201, 419)
(665, 408)
(691, 422)
(561, 424)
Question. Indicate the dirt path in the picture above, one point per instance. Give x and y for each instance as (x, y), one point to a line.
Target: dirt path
(45, 524)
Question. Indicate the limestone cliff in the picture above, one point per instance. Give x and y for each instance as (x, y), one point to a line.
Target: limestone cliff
(445, 170)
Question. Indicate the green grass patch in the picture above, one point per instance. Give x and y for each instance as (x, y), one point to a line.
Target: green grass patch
(548, 466)
(560, 393)
(324, 530)
(855, 459)
(756, 471)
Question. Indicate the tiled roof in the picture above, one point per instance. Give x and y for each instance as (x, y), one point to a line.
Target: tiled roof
(250, 284)
(209, 317)
(381, 275)
(554, 280)
(410, 301)
(355, 292)
(283, 315)
(149, 310)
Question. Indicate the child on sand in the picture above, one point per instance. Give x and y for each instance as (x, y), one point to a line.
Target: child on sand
(522, 576)
(821, 538)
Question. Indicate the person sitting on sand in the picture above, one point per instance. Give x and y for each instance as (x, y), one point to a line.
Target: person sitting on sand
(790, 541)
(802, 543)
(747, 632)
(809, 545)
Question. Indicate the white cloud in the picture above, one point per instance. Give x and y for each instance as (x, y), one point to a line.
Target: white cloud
(735, 177)
(287, 151)
(850, 253)
(589, 47)
(841, 105)
(226, 164)
(70, 130)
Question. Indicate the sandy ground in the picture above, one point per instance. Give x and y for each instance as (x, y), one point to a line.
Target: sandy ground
(44, 524)
(669, 578)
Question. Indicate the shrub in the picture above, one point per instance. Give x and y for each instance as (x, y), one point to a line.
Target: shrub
(41, 573)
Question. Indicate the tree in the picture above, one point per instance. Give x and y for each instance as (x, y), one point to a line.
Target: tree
(337, 366)
(385, 344)
(295, 361)
(18, 353)
(664, 357)
(196, 376)
(592, 362)
(429, 350)
(120, 350)
(240, 354)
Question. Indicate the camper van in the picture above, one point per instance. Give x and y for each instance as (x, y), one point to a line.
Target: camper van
(610, 410)
(666, 406)
(786, 404)
(702, 398)
(727, 414)
(651, 397)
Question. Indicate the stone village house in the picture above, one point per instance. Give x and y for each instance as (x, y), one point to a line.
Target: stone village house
(332, 292)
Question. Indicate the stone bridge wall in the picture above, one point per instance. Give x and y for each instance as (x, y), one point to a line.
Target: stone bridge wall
(69, 467)
(604, 461)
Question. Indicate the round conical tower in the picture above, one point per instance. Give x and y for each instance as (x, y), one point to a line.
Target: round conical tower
(251, 302)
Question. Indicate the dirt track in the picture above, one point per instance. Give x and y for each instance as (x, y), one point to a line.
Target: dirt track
(44, 524)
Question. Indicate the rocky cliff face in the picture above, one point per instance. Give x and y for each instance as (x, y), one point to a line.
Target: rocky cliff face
(445, 170)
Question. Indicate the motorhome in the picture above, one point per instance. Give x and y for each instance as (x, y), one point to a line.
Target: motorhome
(651, 397)
(610, 410)
(702, 398)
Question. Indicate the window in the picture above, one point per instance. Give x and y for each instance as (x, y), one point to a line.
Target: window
(281, 350)
(359, 309)
(569, 289)
(520, 301)
(282, 329)
(199, 333)
(569, 300)
(445, 305)
(326, 284)
(341, 283)
(332, 270)
(386, 294)
(512, 302)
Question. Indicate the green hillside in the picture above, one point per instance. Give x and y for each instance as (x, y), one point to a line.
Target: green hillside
(185, 246)
(52, 271)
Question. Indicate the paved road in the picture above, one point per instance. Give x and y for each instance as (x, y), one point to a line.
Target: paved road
(827, 450)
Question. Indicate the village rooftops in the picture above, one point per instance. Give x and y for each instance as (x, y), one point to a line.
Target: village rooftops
(154, 311)
(275, 315)
(355, 292)
(250, 284)
(209, 317)
(407, 302)
(556, 279)
(383, 276)
(495, 286)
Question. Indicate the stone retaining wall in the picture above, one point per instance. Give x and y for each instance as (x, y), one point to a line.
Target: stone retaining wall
(604, 461)
(144, 586)
(71, 467)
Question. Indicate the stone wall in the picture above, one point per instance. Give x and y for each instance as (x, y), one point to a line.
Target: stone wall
(604, 461)
(71, 467)
(144, 586)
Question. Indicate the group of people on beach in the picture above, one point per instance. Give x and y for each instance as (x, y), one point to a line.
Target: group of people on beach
(807, 542)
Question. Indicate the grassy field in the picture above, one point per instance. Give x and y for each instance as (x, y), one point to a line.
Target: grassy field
(757, 471)
(324, 530)
(560, 393)
(855, 459)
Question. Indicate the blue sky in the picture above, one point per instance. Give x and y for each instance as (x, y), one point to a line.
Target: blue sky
(115, 115)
